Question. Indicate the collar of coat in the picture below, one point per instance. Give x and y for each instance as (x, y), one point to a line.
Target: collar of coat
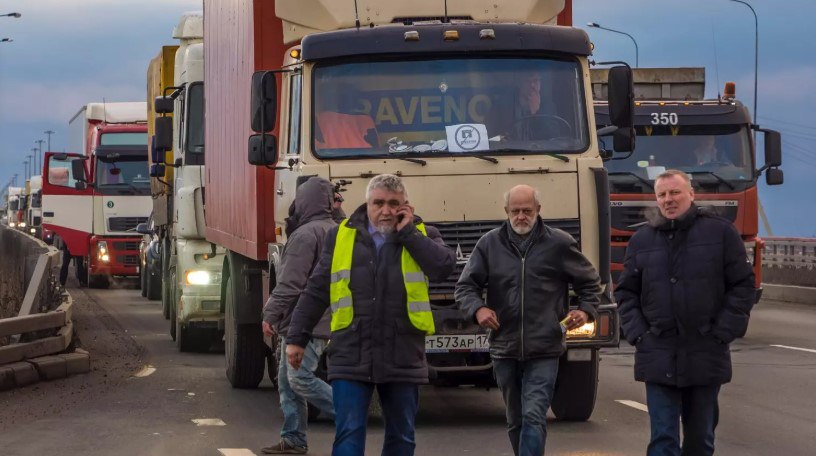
(683, 222)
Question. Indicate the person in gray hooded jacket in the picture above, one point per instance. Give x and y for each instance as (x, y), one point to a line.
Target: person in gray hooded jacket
(310, 218)
(526, 268)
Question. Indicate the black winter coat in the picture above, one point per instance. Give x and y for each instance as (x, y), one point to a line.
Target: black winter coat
(381, 345)
(527, 290)
(686, 292)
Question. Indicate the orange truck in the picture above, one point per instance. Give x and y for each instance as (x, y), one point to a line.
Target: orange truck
(710, 139)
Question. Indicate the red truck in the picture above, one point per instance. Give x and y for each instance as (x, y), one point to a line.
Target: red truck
(94, 198)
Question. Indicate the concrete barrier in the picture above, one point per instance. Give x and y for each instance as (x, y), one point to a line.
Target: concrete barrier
(19, 253)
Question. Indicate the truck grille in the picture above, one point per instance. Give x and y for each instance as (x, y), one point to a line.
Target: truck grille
(37, 221)
(462, 238)
(625, 218)
(125, 223)
(128, 260)
(125, 246)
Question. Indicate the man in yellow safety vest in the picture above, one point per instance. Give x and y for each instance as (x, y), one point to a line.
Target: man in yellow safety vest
(374, 273)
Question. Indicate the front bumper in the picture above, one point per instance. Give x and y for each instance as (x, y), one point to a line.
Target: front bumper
(122, 254)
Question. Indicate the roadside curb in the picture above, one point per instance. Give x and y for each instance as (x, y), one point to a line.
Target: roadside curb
(789, 293)
(52, 367)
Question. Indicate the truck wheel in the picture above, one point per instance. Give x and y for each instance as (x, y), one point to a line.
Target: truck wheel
(152, 290)
(164, 282)
(576, 388)
(143, 281)
(98, 281)
(244, 348)
(173, 323)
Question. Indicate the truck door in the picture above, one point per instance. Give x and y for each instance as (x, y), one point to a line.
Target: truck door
(67, 202)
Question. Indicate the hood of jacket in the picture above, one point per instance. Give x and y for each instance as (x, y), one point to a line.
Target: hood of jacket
(313, 201)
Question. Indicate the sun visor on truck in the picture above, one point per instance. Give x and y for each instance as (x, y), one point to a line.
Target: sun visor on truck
(708, 113)
(106, 152)
(391, 39)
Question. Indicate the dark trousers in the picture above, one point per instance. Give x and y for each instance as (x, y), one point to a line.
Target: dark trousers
(81, 273)
(527, 388)
(400, 402)
(699, 411)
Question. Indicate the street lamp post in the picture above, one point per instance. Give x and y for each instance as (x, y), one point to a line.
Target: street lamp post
(637, 51)
(40, 143)
(14, 15)
(6, 40)
(34, 163)
(756, 53)
(49, 133)
(25, 162)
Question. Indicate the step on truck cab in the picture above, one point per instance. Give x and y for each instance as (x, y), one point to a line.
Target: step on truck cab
(191, 266)
(94, 196)
(425, 92)
(710, 139)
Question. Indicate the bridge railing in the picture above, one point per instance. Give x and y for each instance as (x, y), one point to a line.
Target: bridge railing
(789, 253)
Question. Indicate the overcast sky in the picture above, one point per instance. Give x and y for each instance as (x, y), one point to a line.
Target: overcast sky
(66, 53)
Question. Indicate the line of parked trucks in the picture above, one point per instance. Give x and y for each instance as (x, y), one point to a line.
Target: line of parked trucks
(347, 92)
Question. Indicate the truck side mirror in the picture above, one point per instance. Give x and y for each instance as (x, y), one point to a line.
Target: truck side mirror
(773, 148)
(78, 171)
(142, 228)
(163, 136)
(163, 105)
(263, 150)
(774, 176)
(263, 101)
(621, 97)
(623, 139)
(157, 170)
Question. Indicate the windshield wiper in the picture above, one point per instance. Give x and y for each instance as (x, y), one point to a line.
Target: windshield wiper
(563, 158)
(628, 173)
(480, 157)
(716, 176)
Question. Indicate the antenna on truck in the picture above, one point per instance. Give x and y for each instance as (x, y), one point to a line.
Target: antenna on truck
(356, 15)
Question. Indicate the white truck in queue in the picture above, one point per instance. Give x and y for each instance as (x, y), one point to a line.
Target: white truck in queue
(190, 267)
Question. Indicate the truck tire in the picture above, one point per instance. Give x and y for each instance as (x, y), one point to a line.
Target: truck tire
(576, 388)
(173, 322)
(244, 349)
(163, 284)
(143, 281)
(153, 290)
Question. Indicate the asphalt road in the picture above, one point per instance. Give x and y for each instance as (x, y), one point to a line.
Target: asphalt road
(769, 409)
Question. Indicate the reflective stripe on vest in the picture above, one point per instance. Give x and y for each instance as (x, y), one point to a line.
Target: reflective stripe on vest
(416, 284)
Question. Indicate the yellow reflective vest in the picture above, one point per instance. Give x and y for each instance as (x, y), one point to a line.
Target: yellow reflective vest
(416, 284)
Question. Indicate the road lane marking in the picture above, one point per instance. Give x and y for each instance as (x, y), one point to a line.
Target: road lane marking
(634, 405)
(236, 452)
(208, 422)
(146, 371)
(809, 350)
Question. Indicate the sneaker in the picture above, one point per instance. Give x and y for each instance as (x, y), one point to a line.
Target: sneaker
(284, 447)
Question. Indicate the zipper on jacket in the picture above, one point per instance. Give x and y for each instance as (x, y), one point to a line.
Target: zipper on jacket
(523, 274)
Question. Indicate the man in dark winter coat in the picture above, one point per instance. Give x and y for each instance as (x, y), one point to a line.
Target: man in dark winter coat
(686, 292)
(526, 268)
(309, 221)
(374, 275)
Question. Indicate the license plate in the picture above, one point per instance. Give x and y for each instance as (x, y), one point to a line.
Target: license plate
(457, 343)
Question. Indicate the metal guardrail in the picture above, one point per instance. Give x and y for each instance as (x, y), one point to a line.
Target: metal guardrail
(795, 253)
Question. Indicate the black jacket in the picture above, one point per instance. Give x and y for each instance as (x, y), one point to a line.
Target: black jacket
(381, 345)
(686, 292)
(528, 291)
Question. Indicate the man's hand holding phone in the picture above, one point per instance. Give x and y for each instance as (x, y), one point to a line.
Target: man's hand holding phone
(405, 215)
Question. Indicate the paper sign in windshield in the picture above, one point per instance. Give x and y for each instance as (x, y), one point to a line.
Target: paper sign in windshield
(467, 138)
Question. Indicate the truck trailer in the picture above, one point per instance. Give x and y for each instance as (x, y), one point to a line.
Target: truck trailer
(710, 139)
(191, 266)
(94, 196)
(424, 90)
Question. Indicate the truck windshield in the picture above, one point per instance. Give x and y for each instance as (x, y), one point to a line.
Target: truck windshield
(446, 107)
(123, 139)
(36, 199)
(122, 175)
(718, 157)
(195, 123)
(14, 205)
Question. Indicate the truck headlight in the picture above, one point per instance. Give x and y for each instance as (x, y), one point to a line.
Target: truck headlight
(199, 278)
(102, 251)
(587, 330)
(12, 224)
(32, 231)
(22, 225)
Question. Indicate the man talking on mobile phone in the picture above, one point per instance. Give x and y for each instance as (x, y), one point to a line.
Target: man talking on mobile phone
(374, 273)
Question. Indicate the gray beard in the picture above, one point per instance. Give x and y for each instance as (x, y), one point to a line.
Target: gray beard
(385, 229)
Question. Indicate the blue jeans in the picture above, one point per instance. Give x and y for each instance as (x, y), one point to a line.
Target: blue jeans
(400, 402)
(527, 388)
(696, 406)
(297, 387)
